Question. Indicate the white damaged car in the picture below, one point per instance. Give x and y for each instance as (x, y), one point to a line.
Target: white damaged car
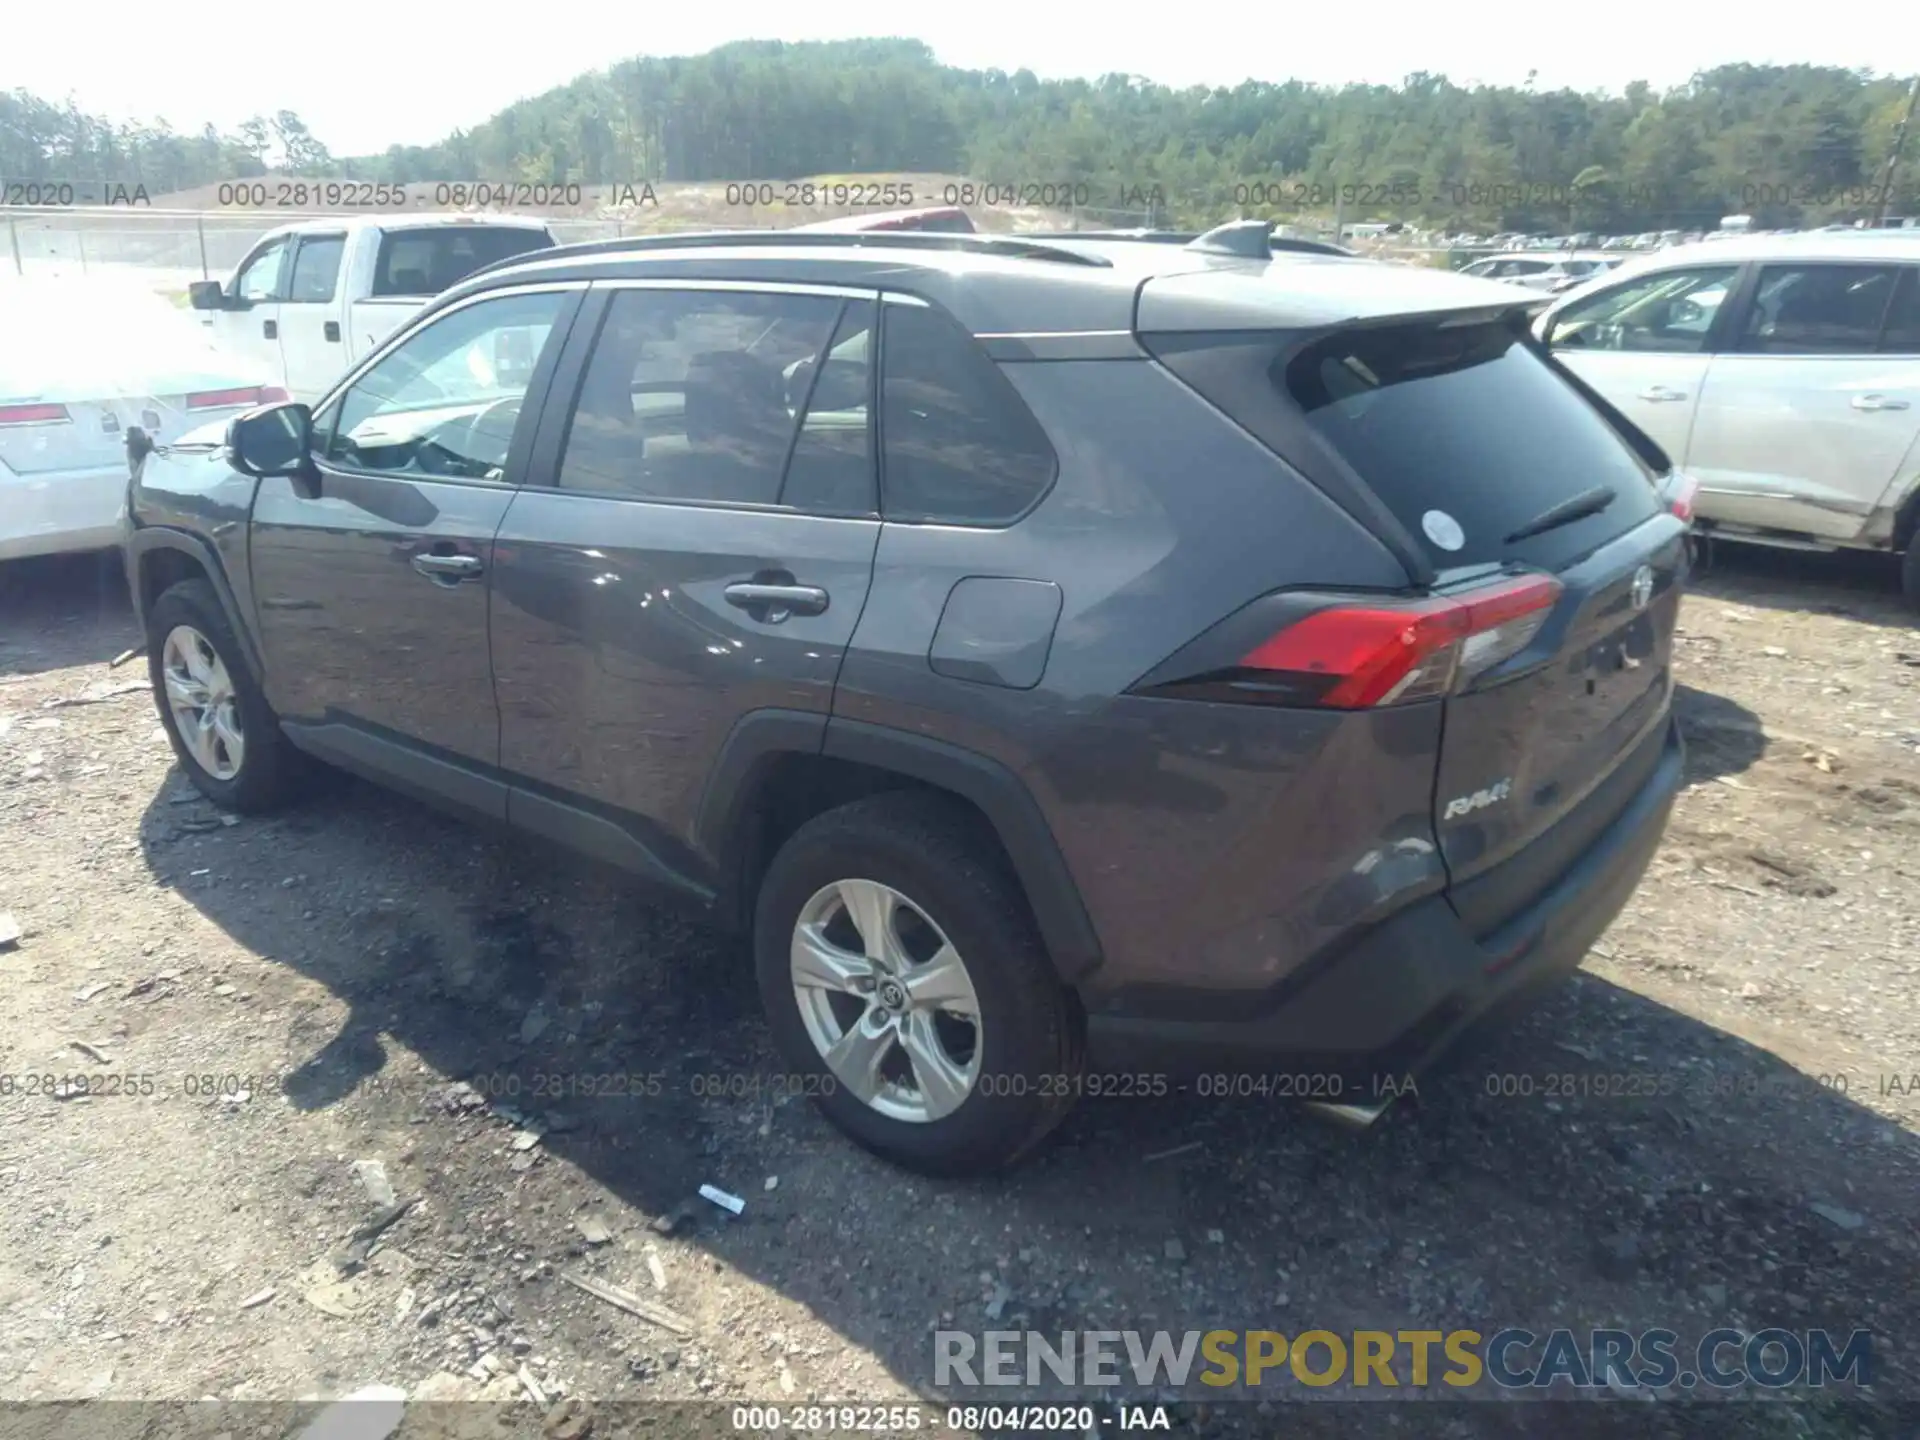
(81, 361)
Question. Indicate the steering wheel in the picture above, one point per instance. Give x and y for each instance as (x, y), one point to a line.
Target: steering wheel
(1598, 335)
(449, 450)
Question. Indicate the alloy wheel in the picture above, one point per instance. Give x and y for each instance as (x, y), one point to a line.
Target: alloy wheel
(201, 697)
(886, 1000)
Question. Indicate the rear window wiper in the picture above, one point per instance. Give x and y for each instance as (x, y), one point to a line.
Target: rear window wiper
(1576, 507)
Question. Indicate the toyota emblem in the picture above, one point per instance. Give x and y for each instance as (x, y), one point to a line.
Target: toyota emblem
(1642, 590)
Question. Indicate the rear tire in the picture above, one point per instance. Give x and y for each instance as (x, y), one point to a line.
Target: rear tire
(1910, 572)
(948, 1095)
(230, 746)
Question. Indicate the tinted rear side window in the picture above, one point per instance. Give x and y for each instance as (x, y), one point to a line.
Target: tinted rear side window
(959, 446)
(425, 262)
(1464, 434)
(1818, 309)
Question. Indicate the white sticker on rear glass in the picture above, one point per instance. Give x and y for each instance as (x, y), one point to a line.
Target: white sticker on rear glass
(1443, 530)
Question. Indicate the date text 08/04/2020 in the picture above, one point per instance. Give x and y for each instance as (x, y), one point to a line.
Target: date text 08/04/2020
(904, 1419)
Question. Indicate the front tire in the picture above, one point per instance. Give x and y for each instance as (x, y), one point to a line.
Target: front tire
(1910, 572)
(902, 973)
(225, 735)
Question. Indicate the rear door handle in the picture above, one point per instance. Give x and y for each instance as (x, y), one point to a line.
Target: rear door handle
(773, 603)
(270, 330)
(448, 568)
(1659, 393)
(1877, 402)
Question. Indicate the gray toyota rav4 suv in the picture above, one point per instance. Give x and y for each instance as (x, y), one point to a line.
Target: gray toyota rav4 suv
(1056, 655)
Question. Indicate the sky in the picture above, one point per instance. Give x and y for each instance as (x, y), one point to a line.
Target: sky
(365, 74)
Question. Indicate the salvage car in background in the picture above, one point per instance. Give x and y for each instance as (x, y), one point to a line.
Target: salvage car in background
(1782, 372)
(81, 361)
(310, 300)
(1547, 272)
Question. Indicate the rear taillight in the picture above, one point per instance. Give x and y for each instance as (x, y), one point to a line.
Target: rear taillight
(33, 415)
(1678, 492)
(227, 399)
(1357, 657)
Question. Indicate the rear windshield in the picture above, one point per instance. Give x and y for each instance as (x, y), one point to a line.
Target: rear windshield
(1463, 433)
(425, 262)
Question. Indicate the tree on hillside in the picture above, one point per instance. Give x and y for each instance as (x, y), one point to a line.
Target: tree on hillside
(1809, 139)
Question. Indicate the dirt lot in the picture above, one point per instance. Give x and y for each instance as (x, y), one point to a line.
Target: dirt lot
(260, 1005)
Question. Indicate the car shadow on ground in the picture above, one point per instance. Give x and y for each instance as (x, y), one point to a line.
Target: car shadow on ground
(61, 611)
(1723, 736)
(1605, 1161)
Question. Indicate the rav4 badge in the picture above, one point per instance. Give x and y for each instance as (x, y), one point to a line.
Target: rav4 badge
(1478, 800)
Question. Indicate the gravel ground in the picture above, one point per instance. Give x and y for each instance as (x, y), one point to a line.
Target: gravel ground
(548, 1066)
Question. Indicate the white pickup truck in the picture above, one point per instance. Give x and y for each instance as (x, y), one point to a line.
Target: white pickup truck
(311, 299)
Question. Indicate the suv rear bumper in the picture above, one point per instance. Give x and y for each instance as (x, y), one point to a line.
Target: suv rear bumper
(1396, 1000)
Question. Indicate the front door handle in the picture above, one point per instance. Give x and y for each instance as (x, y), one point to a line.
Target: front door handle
(331, 330)
(1660, 393)
(270, 329)
(1877, 402)
(773, 603)
(448, 569)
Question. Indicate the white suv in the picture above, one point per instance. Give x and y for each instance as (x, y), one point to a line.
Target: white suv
(1782, 372)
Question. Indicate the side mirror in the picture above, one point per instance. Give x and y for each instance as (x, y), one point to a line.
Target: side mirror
(207, 295)
(273, 440)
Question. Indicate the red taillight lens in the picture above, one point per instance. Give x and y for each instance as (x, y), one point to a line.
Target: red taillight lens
(1355, 657)
(227, 399)
(1365, 656)
(33, 415)
(1680, 491)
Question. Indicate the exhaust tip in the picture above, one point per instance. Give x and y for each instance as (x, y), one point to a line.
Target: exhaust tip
(1350, 1117)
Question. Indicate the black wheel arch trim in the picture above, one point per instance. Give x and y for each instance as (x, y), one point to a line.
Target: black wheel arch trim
(142, 542)
(759, 739)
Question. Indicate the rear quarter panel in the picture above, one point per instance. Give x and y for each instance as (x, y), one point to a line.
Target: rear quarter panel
(1216, 847)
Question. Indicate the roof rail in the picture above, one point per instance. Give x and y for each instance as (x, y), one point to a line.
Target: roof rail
(1013, 247)
(1276, 244)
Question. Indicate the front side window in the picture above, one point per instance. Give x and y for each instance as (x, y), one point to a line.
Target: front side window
(445, 401)
(696, 395)
(959, 446)
(1818, 309)
(259, 277)
(1669, 313)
